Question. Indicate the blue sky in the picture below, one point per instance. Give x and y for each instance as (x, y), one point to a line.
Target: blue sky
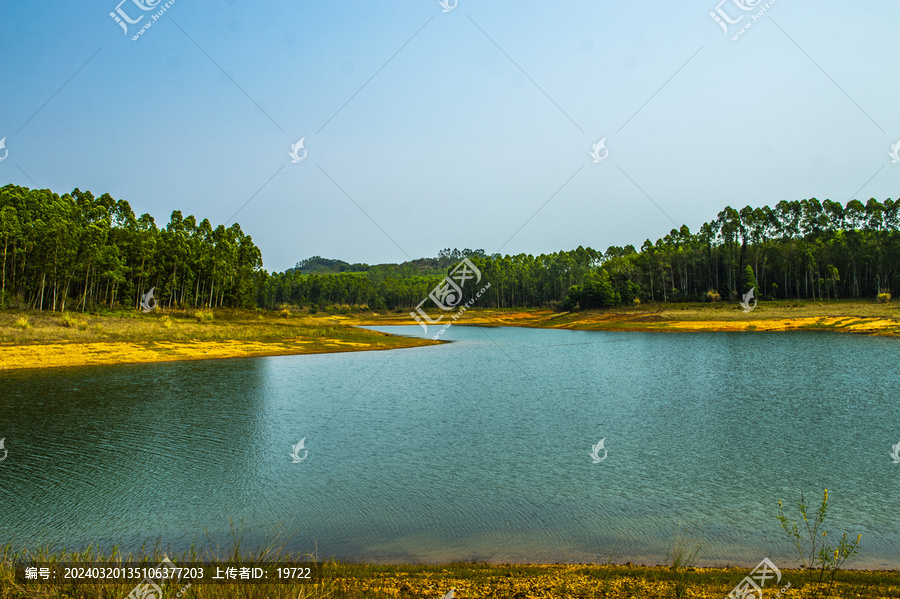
(428, 129)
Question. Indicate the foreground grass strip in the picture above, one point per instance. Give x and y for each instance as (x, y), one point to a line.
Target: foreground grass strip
(359, 581)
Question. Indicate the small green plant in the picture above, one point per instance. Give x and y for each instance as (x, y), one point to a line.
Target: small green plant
(204, 315)
(685, 549)
(22, 322)
(820, 560)
(614, 551)
(713, 296)
(73, 323)
(884, 298)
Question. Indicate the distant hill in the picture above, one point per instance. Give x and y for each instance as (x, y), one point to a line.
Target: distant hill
(318, 265)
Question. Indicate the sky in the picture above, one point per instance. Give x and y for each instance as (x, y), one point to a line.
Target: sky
(464, 125)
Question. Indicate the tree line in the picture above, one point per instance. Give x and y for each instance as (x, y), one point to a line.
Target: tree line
(802, 249)
(80, 252)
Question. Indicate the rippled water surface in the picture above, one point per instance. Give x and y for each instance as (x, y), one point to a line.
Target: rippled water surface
(477, 449)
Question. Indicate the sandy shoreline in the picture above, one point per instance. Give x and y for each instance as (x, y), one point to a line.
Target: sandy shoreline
(56, 355)
(253, 339)
(665, 320)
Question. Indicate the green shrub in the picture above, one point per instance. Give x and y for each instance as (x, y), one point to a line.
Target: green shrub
(203, 315)
(884, 298)
(73, 323)
(820, 560)
(684, 553)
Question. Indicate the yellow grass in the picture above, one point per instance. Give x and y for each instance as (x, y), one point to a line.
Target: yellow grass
(48, 339)
(842, 316)
(54, 339)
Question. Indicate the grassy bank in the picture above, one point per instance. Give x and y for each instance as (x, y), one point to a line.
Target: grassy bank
(361, 581)
(53, 339)
(842, 316)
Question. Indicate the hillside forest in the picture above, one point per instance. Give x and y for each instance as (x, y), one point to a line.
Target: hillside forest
(78, 251)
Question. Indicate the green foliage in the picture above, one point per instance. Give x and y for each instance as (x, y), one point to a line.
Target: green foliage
(799, 250)
(81, 253)
(597, 291)
(884, 298)
(629, 292)
(748, 281)
(820, 560)
(571, 301)
(684, 553)
(71, 322)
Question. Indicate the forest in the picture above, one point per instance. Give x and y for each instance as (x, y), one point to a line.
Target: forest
(80, 252)
(798, 250)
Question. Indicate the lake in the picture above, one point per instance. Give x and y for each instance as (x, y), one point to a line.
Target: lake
(476, 449)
